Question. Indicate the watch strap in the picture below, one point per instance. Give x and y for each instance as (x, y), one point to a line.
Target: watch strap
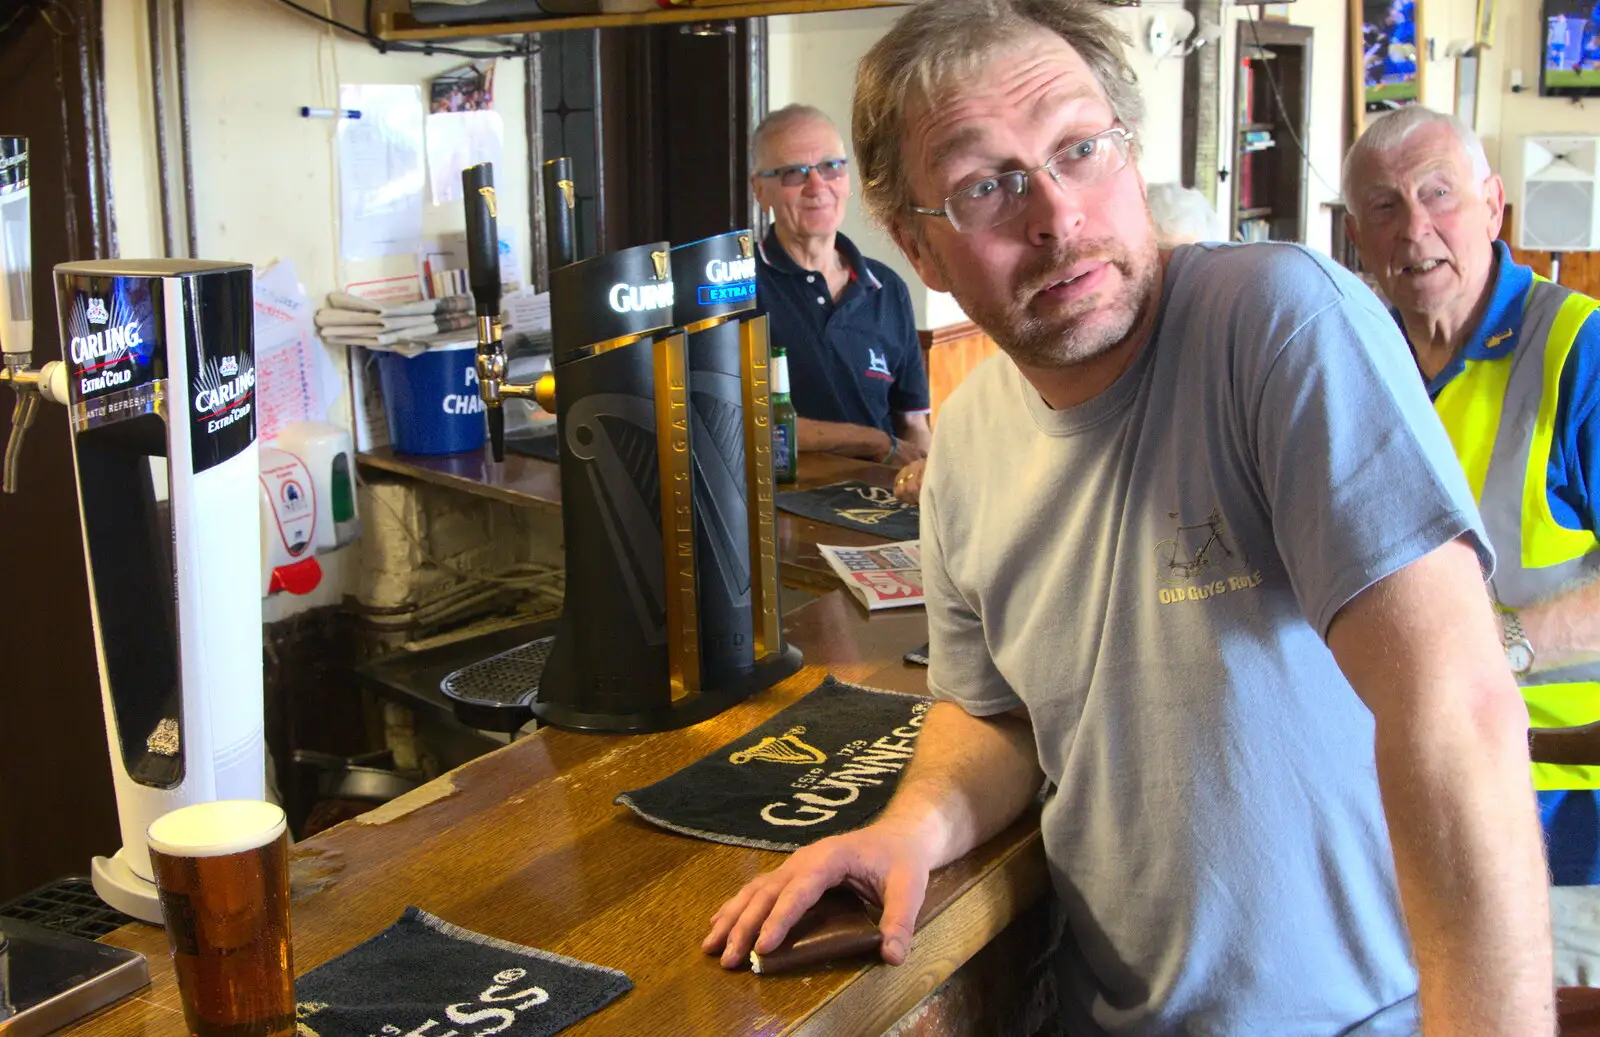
(1511, 631)
(1514, 640)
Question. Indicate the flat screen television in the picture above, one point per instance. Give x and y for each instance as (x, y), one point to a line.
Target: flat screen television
(1571, 63)
(1389, 53)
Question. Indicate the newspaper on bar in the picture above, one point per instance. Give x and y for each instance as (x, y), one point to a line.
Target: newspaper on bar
(882, 577)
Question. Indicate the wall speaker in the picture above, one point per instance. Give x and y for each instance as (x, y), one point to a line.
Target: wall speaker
(1560, 209)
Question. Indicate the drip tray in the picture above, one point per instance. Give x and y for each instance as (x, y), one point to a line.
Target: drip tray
(497, 693)
(49, 979)
(418, 680)
(67, 905)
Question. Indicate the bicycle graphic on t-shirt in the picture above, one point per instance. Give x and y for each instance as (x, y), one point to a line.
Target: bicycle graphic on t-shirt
(1196, 548)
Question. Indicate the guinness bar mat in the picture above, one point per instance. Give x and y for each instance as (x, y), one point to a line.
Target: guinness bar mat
(918, 656)
(542, 446)
(855, 505)
(424, 975)
(825, 765)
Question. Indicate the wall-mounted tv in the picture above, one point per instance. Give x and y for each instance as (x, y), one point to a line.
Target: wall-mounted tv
(1390, 70)
(1571, 64)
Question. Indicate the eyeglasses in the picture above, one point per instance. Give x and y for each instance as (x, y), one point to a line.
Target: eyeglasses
(794, 176)
(996, 199)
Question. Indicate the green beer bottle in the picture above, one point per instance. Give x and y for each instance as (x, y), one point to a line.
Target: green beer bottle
(785, 442)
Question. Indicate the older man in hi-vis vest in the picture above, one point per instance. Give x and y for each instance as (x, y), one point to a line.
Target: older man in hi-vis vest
(1512, 362)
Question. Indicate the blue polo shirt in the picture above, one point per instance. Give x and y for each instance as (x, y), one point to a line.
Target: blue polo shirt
(1571, 818)
(856, 360)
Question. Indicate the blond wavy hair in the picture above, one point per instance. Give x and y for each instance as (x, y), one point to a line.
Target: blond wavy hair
(940, 43)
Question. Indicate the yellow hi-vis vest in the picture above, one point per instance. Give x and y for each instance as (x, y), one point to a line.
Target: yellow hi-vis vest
(1500, 413)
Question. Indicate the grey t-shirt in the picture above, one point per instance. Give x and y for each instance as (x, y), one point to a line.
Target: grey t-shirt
(1152, 574)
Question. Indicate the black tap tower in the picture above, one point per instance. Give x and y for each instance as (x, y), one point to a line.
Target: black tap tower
(659, 386)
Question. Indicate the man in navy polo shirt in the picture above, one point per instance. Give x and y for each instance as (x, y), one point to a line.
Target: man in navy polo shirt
(855, 365)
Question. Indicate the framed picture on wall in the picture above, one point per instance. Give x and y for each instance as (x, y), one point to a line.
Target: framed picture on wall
(1387, 56)
(1486, 21)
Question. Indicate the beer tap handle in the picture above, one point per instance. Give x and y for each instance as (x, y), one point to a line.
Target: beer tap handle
(559, 221)
(48, 383)
(483, 239)
(483, 276)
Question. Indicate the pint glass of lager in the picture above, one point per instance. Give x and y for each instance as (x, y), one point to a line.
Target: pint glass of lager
(222, 872)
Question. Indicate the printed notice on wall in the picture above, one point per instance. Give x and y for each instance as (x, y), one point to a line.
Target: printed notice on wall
(295, 379)
(457, 140)
(381, 171)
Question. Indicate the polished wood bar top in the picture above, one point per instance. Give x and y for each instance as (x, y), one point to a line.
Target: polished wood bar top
(529, 481)
(525, 844)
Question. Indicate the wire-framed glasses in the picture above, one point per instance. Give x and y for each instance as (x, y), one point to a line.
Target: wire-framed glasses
(996, 199)
(794, 176)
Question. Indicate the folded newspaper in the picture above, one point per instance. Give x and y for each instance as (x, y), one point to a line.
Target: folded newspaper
(882, 577)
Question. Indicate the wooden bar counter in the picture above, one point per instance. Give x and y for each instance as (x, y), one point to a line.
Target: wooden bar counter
(525, 844)
(528, 481)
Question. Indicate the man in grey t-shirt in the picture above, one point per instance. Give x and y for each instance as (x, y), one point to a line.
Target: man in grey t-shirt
(1187, 548)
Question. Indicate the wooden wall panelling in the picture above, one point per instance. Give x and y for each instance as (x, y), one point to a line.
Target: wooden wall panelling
(1580, 271)
(57, 809)
(950, 354)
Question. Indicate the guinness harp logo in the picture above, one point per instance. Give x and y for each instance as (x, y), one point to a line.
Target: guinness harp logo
(745, 251)
(660, 260)
(488, 199)
(785, 748)
(568, 192)
(866, 516)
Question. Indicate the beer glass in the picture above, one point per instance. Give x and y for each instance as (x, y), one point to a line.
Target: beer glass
(222, 872)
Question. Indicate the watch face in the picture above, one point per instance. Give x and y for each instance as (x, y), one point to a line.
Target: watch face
(1520, 655)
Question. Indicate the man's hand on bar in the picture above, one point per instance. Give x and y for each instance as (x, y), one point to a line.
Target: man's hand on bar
(881, 862)
(908, 483)
(971, 776)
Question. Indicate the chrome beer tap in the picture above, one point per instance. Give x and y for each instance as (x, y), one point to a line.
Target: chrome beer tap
(483, 275)
(16, 309)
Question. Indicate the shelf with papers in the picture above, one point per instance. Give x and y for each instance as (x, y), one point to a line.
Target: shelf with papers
(395, 23)
(529, 482)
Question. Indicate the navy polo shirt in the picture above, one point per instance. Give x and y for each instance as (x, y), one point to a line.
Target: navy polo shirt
(857, 360)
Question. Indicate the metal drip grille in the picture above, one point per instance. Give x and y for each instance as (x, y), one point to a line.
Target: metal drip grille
(68, 905)
(508, 679)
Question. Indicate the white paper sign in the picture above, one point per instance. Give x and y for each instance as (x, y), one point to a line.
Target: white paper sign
(380, 171)
(526, 311)
(457, 140)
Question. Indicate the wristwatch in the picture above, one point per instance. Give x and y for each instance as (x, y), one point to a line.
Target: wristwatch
(1519, 650)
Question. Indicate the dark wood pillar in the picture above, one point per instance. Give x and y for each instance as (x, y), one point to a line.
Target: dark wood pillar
(57, 808)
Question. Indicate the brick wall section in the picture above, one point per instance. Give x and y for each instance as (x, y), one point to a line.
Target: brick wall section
(432, 559)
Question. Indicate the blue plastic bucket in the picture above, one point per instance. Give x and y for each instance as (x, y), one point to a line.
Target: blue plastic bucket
(432, 401)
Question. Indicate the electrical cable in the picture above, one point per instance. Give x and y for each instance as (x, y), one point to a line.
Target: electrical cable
(1283, 110)
(384, 46)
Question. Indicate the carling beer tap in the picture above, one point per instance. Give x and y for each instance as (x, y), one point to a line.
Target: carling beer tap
(158, 378)
(160, 365)
(659, 387)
